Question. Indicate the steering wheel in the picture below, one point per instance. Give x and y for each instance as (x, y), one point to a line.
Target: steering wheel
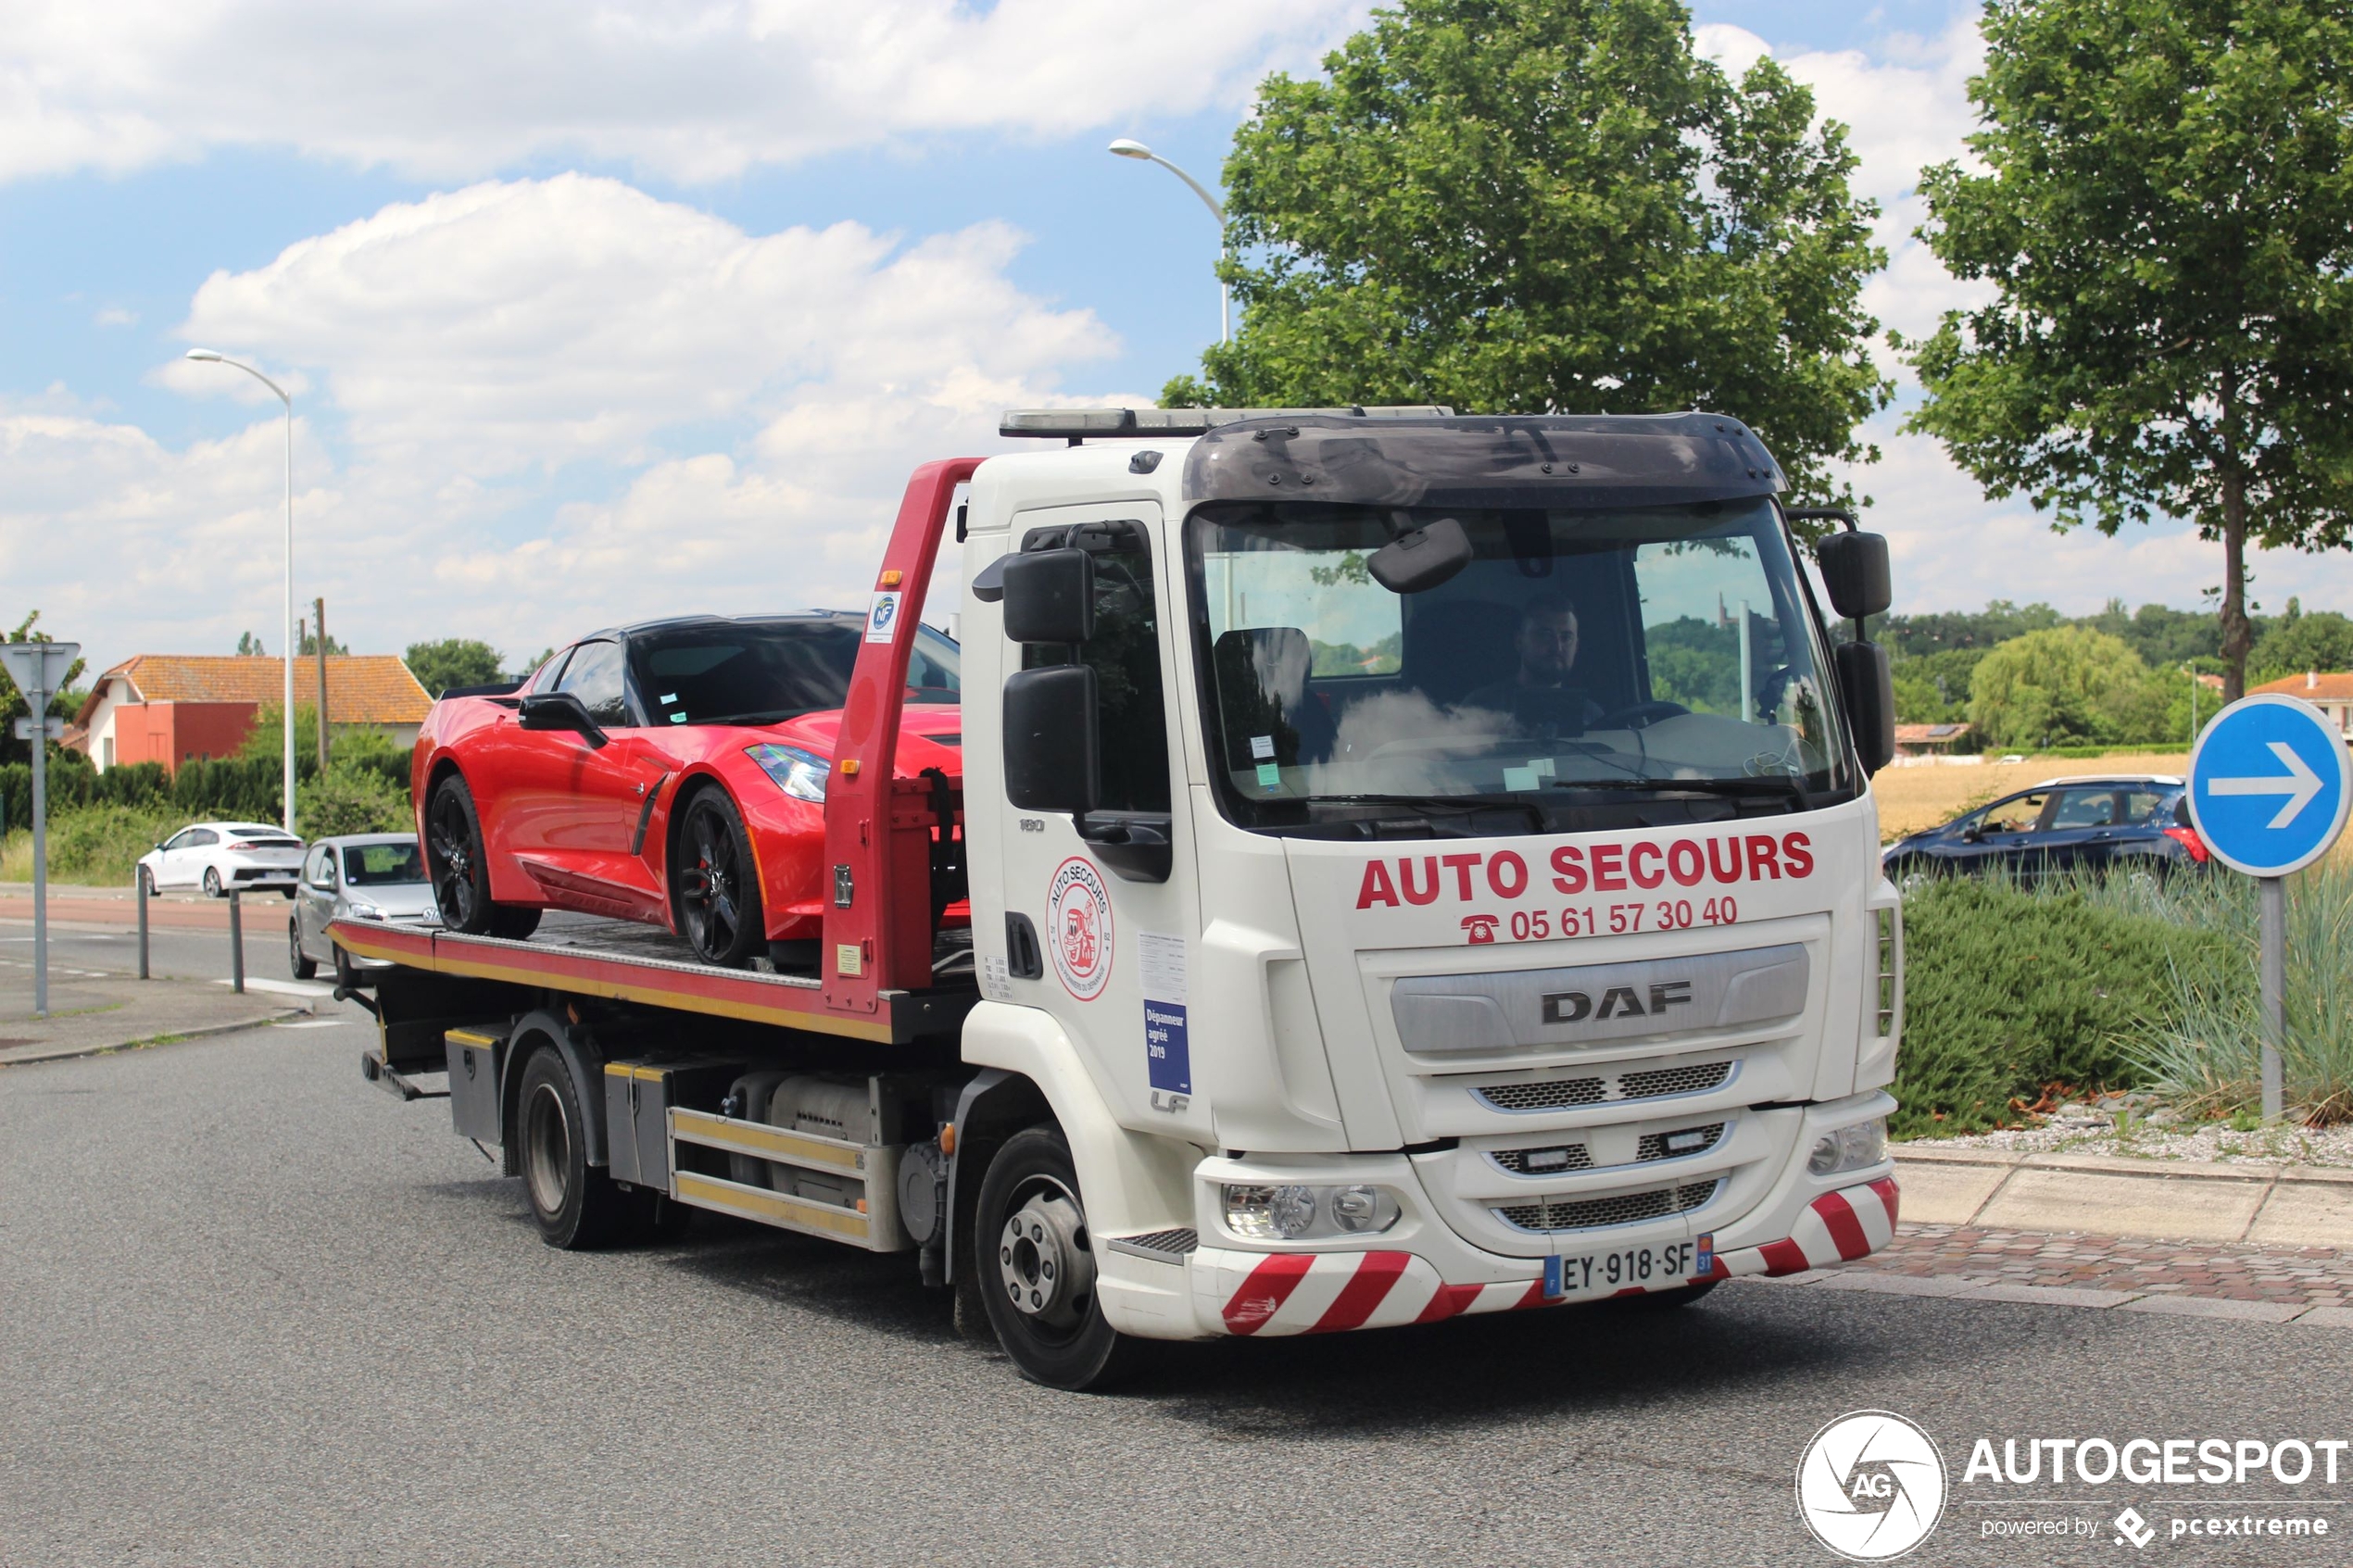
(1640, 716)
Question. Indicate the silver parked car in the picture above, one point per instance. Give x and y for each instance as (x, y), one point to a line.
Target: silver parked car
(368, 877)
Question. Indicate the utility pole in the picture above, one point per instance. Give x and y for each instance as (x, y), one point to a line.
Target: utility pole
(320, 605)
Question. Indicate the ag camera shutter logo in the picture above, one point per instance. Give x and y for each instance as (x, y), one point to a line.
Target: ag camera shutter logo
(1871, 1486)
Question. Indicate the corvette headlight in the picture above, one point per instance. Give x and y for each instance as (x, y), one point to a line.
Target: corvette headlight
(799, 774)
(1266, 1213)
(1857, 1147)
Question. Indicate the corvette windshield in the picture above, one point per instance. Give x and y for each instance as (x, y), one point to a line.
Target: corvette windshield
(1660, 660)
(755, 673)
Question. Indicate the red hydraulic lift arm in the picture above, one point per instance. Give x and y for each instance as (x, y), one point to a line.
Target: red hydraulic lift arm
(870, 942)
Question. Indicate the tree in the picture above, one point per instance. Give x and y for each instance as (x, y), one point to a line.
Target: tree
(2297, 642)
(2166, 221)
(310, 648)
(249, 646)
(1524, 206)
(2063, 687)
(454, 661)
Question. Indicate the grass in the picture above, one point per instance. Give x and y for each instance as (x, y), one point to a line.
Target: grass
(96, 846)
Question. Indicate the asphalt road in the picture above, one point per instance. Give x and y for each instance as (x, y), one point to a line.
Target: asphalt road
(172, 953)
(255, 1311)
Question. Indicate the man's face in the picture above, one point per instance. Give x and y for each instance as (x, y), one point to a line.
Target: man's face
(1548, 646)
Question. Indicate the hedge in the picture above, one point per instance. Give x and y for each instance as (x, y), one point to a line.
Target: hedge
(246, 789)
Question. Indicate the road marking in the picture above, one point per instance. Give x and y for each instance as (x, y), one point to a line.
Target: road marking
(282, 987)
(321, 1024)
(2300, 786)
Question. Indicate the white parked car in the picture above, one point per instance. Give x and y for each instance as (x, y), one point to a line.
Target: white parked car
(368, 876)
(220, 857)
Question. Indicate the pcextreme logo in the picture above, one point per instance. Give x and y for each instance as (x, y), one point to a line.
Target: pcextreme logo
(1871, 1486)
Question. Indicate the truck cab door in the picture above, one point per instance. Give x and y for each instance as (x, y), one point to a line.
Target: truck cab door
(1106, 951)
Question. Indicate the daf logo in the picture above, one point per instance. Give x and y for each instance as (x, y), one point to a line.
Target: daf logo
(1618, 1001)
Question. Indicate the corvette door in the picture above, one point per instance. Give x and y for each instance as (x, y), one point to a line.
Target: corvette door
(585, 798)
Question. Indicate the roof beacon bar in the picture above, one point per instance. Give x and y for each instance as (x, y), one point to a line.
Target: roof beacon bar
(1077, 424)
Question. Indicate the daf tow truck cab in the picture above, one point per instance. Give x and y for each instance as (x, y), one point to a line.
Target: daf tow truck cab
(1417, 866)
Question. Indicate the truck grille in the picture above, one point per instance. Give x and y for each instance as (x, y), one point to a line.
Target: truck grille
(1554, 1094)
(1617, 1208)
(1576, 1157)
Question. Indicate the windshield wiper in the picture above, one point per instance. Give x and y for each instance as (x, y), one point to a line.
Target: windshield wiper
(1448, 805)
(1789, 784)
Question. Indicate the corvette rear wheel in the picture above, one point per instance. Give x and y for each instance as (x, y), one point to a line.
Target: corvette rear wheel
(716, 882)
(455, 861)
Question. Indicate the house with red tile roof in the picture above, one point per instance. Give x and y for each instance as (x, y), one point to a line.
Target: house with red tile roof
(2331, 694)
(177, 707)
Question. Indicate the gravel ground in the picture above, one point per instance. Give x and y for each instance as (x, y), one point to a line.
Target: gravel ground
(2121, 1126)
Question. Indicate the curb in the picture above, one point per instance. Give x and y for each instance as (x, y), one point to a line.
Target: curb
(173, 1037)
(2104, 1195)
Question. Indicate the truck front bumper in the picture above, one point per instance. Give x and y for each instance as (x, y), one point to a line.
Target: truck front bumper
(1263, 1294)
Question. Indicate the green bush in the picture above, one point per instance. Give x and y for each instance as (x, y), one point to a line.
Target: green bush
(230, 788)
(2008, 989)
(351, 798)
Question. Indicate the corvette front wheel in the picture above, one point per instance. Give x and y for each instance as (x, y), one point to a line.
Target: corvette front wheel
(716, 884)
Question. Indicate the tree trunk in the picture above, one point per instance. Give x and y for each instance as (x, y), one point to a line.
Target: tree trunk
(2238, 637)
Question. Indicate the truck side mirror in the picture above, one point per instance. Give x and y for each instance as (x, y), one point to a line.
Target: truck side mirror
(1053, 745)
(1867, 690)
(1050, 597)
(559, 710)
(1855, 573)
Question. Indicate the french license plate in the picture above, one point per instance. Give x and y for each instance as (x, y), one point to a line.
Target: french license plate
(1660, 1266)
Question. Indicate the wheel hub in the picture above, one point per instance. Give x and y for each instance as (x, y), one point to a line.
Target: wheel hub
(1043, 1264)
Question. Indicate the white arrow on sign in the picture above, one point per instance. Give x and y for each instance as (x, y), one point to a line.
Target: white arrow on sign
(2300, 786)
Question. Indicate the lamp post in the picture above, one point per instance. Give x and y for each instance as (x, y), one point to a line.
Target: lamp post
(285, 622)
(1125, 147)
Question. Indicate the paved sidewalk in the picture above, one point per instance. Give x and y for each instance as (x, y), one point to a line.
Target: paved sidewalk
(2267, 1205)
(90, 1013)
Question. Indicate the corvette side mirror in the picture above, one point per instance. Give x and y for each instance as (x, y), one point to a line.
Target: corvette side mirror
(559, 710)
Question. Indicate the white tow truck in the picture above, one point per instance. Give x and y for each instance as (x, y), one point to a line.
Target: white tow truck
(1418, 865)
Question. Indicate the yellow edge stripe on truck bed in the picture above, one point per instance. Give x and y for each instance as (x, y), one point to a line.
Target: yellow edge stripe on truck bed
(774, 1143)
(446, 963)
(758, 1203)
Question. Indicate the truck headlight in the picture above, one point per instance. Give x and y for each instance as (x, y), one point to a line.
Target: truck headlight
(1857, 1147)
(1299, 1213)
(799, 774)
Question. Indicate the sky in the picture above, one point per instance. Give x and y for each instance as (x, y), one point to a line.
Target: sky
(594, 312)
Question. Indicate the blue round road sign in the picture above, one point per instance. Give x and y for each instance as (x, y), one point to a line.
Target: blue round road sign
(2269, 786)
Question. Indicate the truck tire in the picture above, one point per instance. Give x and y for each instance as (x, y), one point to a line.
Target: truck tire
(715, 883)
(578, 1207)
(455, 861)
(1034, 1261)
(302, 963)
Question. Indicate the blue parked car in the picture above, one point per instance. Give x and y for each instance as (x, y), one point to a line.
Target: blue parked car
(2098, 824)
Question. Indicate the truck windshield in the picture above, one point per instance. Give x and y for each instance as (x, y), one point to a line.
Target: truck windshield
(1653, 664)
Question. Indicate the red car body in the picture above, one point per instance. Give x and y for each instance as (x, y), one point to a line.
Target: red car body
(568, 823)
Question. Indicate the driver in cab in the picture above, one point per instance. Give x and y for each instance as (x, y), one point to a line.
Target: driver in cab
(1540, 696)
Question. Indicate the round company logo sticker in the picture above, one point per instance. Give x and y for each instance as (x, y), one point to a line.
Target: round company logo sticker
(1871, 1486)
(1079, 907)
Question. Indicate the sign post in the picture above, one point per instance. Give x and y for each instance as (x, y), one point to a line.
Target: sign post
(39, 669)
(2270, 784)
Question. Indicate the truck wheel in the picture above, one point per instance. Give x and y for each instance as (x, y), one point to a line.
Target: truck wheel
(454, 859)
(717, 883)
(577, 1206)
(1035, 1263)
(302, 963)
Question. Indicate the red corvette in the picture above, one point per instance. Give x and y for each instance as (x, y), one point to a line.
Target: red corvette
(672, 774)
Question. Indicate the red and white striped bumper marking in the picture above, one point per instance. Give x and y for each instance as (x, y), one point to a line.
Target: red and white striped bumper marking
(1835, 1228)
(1325, 1292)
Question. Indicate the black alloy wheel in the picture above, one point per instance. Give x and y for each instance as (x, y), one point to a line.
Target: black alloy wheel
(302, 963)
(455, 861)
(716, 884)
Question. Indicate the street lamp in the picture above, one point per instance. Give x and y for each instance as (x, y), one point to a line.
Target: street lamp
(1125, 147)
(285, 626)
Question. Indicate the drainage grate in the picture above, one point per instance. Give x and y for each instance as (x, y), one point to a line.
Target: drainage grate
(1554, 1094)
(1617, 1208)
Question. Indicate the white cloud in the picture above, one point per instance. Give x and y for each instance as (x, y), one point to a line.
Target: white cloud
(761, 397)
(696, 90)
(115, 315)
